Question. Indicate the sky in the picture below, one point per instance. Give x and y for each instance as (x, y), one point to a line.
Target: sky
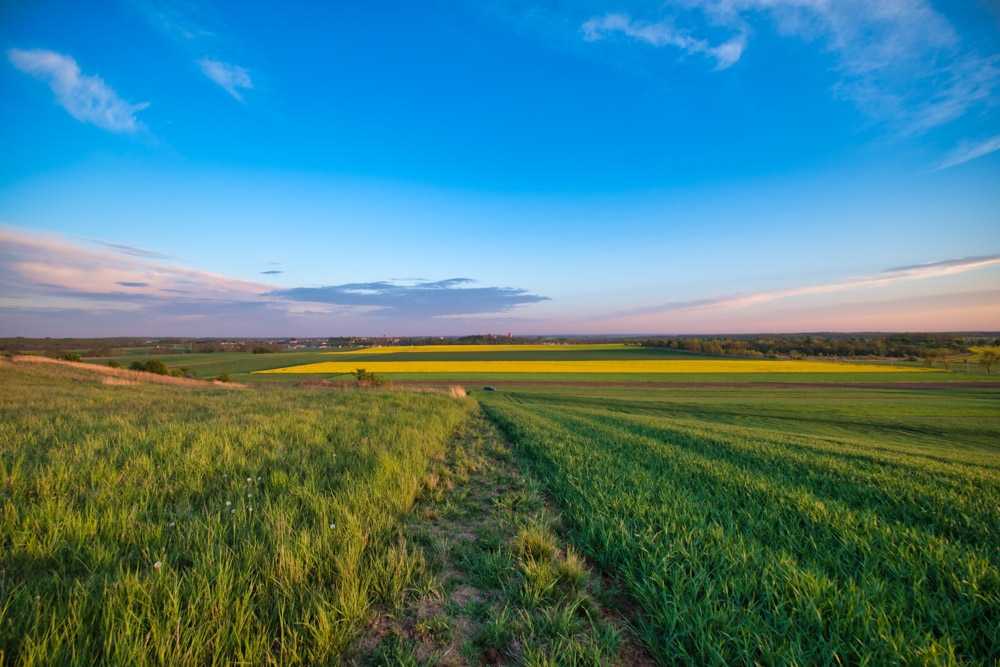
(179, 168)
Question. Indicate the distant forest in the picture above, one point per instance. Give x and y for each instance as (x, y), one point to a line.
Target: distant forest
(901, 346)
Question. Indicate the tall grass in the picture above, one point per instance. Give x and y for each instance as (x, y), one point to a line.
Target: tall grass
(157, 524)
(747, 545)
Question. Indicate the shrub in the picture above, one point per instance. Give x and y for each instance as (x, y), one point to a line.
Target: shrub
(370, 380)
(156, 366)
(70, 356)
(223, 377)
(137, 366)
(114, 364)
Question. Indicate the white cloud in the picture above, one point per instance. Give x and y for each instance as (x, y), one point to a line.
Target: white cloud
(970, 151)
(663, 33)
(230, 77)
(86, 98)
(899, 62)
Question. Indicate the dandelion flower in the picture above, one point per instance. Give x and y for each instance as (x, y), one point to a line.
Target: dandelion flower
(232, 511)
(249, 480)
(251, 509)
(333, 525)
(228, 503)
(249, 494)
(157, 565)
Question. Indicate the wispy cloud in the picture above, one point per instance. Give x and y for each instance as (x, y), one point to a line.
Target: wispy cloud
(945, 266)
(970, 151)
(126, 249)
(420, 300)
(230, 77)
(270, 273)
(886, 277)
(899, 62)
(87, 98)
(664, 33)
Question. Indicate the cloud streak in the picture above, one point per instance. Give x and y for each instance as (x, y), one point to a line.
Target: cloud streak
(125, 249)
(230, 77)
(967, 151)
(87, 98)
(886, 277)
(443, 298)
(664, 33)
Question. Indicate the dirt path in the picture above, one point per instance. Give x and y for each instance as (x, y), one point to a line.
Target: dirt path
(498, 585)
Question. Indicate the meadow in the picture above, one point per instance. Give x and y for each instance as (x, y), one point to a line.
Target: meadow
(849, 521)
(159, 524)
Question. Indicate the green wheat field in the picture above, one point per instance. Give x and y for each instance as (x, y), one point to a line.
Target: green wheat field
(542, 525)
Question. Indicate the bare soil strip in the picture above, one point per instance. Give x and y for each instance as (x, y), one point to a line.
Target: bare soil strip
(494, 580)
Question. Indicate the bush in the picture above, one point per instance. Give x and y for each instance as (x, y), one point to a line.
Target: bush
(137, 366)
(370, 380)
(223, 377)
(156, 366)
(70, 356)
(114, 364)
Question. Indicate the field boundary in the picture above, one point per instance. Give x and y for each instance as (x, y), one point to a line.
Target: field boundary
(749, 383)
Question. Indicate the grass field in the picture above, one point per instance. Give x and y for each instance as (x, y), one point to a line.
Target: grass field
(840, 523)
(771, 527)
(156, 524)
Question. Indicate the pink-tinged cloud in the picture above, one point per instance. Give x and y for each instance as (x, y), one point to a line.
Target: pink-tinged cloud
(899, 274)
(110, 288)
(40, 264)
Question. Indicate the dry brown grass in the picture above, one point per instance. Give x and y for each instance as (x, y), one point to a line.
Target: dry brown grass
(122, 376)
(455, 391)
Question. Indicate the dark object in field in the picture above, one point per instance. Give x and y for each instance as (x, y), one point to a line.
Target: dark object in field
(489, 389)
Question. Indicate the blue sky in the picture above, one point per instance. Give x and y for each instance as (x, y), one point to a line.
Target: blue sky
(177, 168)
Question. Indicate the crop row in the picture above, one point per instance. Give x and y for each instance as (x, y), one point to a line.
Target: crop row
(745, 545)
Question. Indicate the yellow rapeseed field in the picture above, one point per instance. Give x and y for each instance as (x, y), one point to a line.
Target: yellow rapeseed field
(479, 348)
(596, 366)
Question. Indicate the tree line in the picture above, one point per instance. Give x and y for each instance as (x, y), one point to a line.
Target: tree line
(912, 346)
